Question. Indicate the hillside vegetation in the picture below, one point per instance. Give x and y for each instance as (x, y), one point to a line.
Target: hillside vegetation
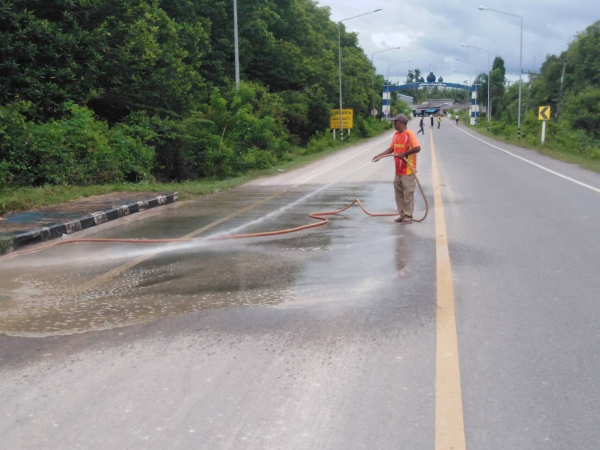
(107, 91)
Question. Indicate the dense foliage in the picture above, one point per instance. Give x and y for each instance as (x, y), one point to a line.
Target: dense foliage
(99, 91)
(575, 124)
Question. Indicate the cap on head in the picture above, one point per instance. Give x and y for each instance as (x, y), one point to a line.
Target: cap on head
(400, 118)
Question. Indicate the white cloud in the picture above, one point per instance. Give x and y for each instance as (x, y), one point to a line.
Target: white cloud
(431, 32)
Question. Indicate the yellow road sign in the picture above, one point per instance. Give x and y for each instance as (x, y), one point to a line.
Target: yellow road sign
(544, 113)
(348, 115)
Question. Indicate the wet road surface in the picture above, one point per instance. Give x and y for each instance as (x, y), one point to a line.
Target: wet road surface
(322, 339)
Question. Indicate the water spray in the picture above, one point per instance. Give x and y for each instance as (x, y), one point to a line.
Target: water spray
(321, 217)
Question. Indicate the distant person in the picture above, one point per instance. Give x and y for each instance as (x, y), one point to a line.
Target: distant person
(421, 126)
(439, 120)
(404, 145)
(431, 117)
(456, 117)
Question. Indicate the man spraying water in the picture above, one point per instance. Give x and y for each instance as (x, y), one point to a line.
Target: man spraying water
(404, 148)
(404, 145)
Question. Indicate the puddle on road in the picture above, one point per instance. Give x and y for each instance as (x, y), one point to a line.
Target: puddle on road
(167, 286)
(274, 273)
(343, 262)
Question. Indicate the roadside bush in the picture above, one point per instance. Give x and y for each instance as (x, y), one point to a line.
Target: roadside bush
(562, 136)
(320, 142)
(234, 132)
(370, 127)
(531, 127)
(582, 110)
(164, 135)
(559, 135)
(77, 149)
(400, 107)
(305, 112)
(501, 128)
(237, 132)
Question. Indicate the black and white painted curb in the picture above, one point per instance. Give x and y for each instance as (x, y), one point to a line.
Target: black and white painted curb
(60, 229)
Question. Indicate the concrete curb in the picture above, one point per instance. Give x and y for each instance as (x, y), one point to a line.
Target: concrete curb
(11, 243)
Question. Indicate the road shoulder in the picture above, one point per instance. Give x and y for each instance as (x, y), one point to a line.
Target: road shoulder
(53, 222)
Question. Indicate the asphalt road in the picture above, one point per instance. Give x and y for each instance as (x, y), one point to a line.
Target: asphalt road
(332, 338)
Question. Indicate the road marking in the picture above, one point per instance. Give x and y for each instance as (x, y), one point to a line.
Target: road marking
(94, 282)
(449, 419)
(533, 163)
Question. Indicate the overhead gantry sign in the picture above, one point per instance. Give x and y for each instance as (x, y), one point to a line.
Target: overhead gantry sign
(387, 90)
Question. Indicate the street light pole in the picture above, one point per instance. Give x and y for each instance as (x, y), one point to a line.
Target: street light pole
(388, 83)
(340, 72)
(373, 76)
(483, 8)
(488, 83)
(340, 67)
(237, 49)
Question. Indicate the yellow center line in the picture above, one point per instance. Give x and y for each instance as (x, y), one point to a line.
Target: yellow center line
(449, 419)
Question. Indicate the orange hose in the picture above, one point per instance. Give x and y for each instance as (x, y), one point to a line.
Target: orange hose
(316, 215)
(418, 184)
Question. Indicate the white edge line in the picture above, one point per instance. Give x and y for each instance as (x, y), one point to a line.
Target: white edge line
(533, 163)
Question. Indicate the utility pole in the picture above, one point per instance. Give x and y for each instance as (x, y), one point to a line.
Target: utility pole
(531, 78)
(529, 93)
(562, 82)
(560, 94)
(520, 82)
(340, 72)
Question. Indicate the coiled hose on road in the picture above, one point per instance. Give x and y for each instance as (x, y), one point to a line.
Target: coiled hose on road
(320, 216)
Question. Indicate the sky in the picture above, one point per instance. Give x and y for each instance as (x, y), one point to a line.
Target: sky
(431, 33)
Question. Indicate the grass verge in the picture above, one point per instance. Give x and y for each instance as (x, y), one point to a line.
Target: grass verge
(547, 150)
(22, 199)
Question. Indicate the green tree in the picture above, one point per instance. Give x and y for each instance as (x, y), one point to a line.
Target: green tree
(115, 56)
(157, 77)
(498, 64)
(582, 110)
(496, 89)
